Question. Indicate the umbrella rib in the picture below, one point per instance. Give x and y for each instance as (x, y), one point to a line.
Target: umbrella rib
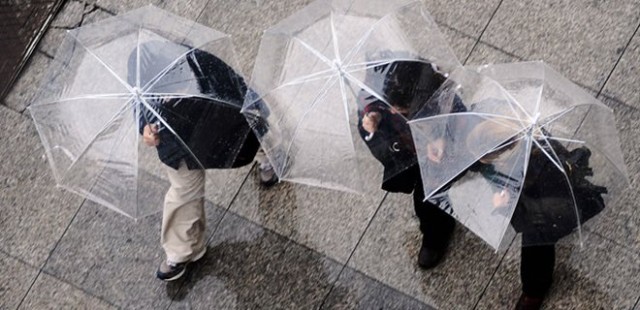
(287, 107)
(299, 80)
(345, 105)
(566, 176)
(624, 173)
(360, 43)
(101, 96)
(363, 39)
(184, 95)
(314, 52)
(380, 62)
(487, 116)
(564, 139)
(152, 82)
(138, 56)
(557, 116)
(310, 77)
(492, 149)
(539, 101)
(162, 72)
(167, 126)
(125, 84)
(334, 38)
(372, 92)
(512, 101)
(92, 140)
(527, 157)
(561, 168)
(322, 92)
(287, 85)
(554, 159)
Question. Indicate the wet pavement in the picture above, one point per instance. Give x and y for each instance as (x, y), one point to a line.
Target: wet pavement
(296, 247)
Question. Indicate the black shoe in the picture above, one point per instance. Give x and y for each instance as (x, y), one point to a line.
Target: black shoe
(169, 271)
(527, 302)
(267, 175)
(430, 257)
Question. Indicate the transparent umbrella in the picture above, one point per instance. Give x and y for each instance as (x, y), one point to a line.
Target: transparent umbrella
(112, 78)
(533, 153)
(317, 70)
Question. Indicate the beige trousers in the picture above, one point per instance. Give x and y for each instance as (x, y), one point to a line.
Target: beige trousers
(183, 217)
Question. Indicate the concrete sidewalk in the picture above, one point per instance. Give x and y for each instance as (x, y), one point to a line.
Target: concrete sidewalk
(295, 247)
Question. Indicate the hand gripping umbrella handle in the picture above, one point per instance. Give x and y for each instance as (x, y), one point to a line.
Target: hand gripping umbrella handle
(370, 135)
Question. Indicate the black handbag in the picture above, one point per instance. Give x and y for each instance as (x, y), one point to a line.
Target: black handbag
(588, 195)
(546, 212)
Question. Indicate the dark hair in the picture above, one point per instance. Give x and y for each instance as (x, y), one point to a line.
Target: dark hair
(407, 79)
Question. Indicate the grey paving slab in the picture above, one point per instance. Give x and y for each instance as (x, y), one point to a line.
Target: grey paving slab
(486, 54)
(468, 16)
(96, 13)
(222, 185)
(50, 41)
(50, 293)
(624, 83)
(33, 212)
(245, 21)
(14, 281)
(602, 275)
(190, 9)
(248, 267)
(460, 43)
(389, 249)
(70, 15)
(119, 6)
(581, 39)
(354, 290)
(328, 221)
(23, 90)
(114, 258)
(620, 221)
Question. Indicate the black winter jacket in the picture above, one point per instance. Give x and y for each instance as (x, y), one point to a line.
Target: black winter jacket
(214, 133)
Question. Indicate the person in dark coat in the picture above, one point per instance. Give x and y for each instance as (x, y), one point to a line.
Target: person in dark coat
(190, 133)
(406, 86)
(545, 210)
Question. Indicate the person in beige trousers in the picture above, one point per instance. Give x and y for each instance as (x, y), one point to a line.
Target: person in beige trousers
(183, 215)
(190, 134)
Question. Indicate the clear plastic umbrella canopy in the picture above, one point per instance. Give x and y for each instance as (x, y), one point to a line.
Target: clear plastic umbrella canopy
(112, 78)
(533, 154)
(315, 72)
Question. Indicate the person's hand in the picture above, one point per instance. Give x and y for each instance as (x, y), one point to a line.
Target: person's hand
(370, 121)
(435, 150)
(150, 135)
(501, 199)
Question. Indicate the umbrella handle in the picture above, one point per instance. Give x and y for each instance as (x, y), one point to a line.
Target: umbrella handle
(369, 137)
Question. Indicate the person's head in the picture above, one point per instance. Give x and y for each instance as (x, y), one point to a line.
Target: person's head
(499, 133)
(400, 83)
(408, 81)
